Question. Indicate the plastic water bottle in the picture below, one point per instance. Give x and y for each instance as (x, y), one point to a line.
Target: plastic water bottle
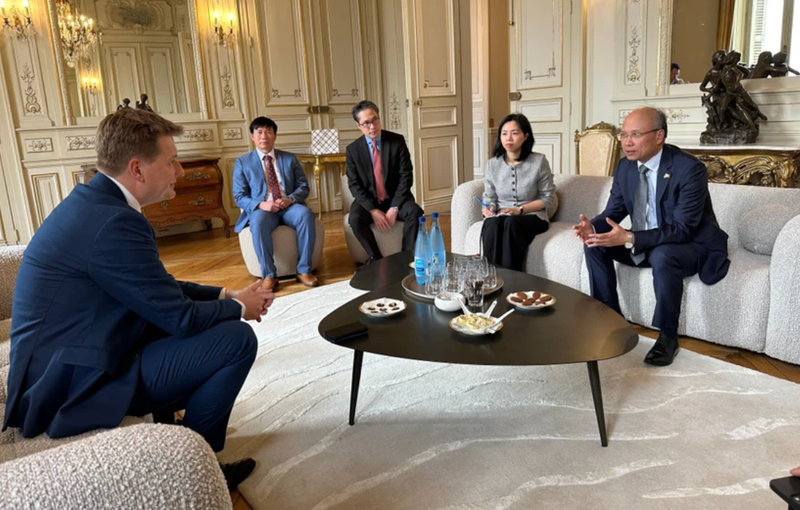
(422, 253)
(438, 257)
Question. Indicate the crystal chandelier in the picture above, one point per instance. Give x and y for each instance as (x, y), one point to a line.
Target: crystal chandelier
(17, 21)
(76, 31)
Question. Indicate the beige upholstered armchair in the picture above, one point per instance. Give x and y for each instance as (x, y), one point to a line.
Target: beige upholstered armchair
(597, 150)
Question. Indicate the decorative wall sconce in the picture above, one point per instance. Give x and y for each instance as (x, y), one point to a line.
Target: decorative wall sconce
(16, 21)
(222, 35)
(91, 85)
(76, 31)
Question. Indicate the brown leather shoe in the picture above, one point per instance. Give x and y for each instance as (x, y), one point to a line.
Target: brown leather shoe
(308, 279)
(270, 283)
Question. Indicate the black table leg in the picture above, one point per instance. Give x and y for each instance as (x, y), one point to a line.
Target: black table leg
(597, 395)
(358, 356)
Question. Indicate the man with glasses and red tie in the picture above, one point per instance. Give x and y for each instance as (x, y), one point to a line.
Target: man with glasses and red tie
(673, 227)
(380, 175)
(270, 188)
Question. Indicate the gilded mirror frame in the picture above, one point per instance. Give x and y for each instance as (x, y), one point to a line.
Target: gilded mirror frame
(61, 64)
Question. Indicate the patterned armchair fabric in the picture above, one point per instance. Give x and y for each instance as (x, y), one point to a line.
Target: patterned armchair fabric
(597, 149)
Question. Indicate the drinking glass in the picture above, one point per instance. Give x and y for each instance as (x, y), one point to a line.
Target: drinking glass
(474, 289)
(435, 281)
(490, 281)
(453, 282)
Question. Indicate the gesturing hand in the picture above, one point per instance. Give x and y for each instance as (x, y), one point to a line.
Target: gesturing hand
(583, 229)
(616, 237)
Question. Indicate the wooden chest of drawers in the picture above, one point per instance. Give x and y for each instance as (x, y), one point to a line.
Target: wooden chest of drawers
(198, 197)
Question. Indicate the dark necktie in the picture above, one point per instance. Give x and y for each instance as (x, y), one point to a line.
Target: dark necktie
(274, 186)
(639, 216)
(377, 167)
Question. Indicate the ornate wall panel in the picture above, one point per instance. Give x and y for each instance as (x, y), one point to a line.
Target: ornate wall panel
(46, 194)
(435, 47)
(284, 48)
(540, 48)
(440, 158)
(438, 116)
(341, 42)
(634, 37)
(543, 110)
(549, 144)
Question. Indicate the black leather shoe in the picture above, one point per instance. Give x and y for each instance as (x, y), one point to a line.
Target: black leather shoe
(366, 263)
(663, 352)
(236, 472)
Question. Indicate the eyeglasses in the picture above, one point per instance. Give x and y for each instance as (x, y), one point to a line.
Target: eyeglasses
(635, 135)
(368, 123)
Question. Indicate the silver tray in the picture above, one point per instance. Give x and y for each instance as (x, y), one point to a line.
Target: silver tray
(411, 286)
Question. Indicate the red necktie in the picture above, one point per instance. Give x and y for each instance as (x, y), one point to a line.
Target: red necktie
(378, 169)
(272, 179)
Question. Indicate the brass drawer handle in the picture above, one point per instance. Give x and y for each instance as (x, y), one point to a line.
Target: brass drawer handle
(165, 205)
(198, 176)
(201, 200)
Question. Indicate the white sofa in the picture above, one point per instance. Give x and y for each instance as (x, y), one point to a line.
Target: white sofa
(139, 465)
(754, 307)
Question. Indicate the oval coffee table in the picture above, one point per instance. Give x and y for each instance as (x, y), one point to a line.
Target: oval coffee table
(577, 329)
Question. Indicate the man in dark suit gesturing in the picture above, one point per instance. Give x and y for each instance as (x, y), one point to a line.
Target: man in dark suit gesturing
(380, 176)
(673, 227)
(100, 330)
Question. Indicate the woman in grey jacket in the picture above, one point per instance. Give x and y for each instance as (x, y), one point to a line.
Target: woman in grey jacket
(519, 193)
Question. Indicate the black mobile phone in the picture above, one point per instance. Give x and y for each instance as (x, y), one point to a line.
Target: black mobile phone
(346, 332)
(789, 489)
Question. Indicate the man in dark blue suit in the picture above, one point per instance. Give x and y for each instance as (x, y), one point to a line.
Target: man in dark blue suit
(270, 188)
(674, 229)
(100, 330)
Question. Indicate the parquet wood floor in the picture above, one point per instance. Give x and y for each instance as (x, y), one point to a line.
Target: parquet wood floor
(208, 257)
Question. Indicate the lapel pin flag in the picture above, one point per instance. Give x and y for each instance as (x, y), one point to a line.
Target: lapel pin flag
(666, 176)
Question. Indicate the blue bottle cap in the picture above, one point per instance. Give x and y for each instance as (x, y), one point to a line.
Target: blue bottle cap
(435, 215)
(422, 219)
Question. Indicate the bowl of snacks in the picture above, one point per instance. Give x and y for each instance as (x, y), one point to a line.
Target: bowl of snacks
(476, 324)
(449, 301)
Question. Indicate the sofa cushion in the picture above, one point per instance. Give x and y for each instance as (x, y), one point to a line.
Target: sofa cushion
(732, 312)
(557, 255)
(760, 227)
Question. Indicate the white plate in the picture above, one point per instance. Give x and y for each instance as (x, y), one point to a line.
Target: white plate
(472, 332)
(390, 307)
(530, 294)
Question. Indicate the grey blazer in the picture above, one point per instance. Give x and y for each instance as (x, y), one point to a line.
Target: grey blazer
(512, 186)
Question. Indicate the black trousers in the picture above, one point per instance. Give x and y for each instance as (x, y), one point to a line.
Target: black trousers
(671, 263)
(506, 238)
(361, 219)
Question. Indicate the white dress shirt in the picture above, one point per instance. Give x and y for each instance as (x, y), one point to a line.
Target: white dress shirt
(278, 173)
(138, 208)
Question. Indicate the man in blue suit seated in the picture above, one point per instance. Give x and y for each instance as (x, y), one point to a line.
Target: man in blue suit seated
(270, 188)
(673, 227)
(100, 330)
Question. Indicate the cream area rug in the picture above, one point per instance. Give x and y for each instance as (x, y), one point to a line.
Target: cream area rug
(700, 434)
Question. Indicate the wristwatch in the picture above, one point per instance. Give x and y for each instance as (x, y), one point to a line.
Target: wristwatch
(629, 242)
(521, 210)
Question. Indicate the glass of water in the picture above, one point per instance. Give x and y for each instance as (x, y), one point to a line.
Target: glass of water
(490, 281)
(474, 289)
(436, 278)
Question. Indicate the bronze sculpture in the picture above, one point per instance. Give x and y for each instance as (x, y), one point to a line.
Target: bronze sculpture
(732, 113)
(771, 66)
